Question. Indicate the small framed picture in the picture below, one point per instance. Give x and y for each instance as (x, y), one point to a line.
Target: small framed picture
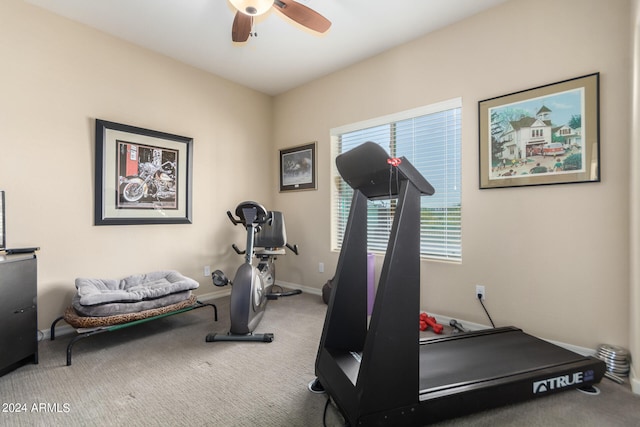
(545, 135)
(142, 176)
(298, 168)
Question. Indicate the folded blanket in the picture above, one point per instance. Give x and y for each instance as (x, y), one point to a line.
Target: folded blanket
(133, 288)
(117, 308)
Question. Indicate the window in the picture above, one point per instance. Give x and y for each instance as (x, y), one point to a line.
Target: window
(429, 137)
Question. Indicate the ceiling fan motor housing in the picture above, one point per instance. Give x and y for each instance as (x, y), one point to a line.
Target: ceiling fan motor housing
(252, 7)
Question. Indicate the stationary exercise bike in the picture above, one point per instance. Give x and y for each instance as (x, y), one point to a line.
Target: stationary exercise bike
(252, 285)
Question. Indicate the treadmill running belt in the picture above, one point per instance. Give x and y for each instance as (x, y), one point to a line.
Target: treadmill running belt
(460, 360)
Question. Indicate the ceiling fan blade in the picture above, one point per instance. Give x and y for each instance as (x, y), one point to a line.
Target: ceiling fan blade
(241, 27)
(302, 15)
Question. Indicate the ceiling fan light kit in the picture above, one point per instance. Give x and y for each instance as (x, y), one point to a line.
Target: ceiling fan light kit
(252, 7)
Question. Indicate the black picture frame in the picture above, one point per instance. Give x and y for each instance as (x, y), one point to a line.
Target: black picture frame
(546, 135)
(142, 176)
(298, 168)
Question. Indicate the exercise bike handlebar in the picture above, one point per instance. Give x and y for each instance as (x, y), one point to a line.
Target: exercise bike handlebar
(252, 215)
(233, 220)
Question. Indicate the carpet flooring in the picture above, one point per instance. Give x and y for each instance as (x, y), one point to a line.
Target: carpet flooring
(163, 373)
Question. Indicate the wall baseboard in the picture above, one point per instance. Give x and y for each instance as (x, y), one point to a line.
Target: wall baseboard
(61, 330)
(583, 351)
(223, 292)
(634, 380)
(305, 289)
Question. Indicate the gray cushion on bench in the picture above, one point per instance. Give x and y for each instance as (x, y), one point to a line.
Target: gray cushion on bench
(135, 288)
(116, 308)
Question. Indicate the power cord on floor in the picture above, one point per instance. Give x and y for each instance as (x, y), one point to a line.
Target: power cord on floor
(485, 310)
(324, 415)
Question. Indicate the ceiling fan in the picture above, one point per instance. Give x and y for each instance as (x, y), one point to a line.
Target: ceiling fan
(247, 9)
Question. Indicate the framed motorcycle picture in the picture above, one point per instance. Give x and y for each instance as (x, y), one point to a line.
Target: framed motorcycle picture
(142, 176)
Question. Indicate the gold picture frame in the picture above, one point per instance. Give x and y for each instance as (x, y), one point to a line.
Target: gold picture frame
(546, 135)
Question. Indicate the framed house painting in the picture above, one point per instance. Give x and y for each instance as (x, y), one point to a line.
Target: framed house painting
(546, 135)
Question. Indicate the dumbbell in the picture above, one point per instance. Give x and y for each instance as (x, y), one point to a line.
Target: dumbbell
(429, 321)
(456, 325)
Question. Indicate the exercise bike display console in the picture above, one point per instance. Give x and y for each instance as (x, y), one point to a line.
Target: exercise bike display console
(377, 369)
(252, 285)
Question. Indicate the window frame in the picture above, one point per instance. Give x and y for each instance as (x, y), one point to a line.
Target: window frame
(391, 120)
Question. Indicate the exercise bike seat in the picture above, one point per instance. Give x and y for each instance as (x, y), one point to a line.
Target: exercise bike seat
(272, 238)
(270, 251)
(261, 214)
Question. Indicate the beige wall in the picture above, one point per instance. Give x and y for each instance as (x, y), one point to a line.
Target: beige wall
(56, 78)
(554, 259)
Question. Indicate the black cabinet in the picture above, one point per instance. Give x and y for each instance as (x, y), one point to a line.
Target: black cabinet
(18, 311)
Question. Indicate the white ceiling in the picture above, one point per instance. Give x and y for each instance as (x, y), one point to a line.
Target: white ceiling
(284, 54)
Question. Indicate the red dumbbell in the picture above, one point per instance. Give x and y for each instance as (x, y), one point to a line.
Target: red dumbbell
(423, 321)
(427, 321)
(437, 327)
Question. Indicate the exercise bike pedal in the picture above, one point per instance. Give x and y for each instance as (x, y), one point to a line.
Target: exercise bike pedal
(219, 278)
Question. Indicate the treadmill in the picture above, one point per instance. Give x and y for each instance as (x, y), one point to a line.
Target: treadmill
(378, 370)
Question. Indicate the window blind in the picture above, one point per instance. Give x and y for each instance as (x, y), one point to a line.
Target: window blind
(429, 137)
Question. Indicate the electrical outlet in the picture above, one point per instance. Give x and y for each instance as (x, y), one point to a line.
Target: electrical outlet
(207, 271)
(480, 291)
(321, 267)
